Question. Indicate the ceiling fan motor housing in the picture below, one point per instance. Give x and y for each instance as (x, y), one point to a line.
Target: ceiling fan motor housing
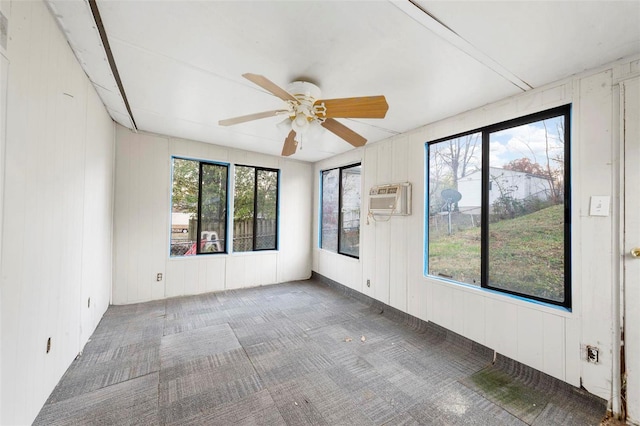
(304, 110)
(303, 90)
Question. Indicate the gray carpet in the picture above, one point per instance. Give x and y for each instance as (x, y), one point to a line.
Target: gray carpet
(296, 354)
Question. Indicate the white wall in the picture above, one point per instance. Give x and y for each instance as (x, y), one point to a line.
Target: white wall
(57, 212)
(630, 130)
(143, 213)
(548, 339)
(4, 73)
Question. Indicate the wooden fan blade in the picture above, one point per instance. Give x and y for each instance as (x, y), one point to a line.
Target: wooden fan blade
(344, 132)
(256, 116)
(362, 107)
(290, 144)
(270, 86)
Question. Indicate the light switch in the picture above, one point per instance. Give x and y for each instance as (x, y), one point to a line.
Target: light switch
(599, 205)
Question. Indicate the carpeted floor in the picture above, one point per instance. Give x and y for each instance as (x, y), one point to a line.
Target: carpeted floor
(295, 354)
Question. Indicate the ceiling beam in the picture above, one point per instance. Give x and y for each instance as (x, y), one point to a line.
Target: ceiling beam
(439, 28)
(112, 62)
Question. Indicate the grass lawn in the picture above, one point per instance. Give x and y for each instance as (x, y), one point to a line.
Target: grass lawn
(526, 254)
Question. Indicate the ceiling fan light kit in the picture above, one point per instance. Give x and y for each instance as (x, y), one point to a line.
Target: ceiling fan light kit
(307, 113)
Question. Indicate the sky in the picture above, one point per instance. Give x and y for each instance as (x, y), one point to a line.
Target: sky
(526, 141)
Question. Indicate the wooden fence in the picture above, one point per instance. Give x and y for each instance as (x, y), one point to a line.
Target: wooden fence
(242, 236)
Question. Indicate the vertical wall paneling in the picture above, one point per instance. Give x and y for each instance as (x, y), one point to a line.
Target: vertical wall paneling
(416, 286)
(553, 350)
(295, 184)
(315, 220)
(382, 263)
(440, 308)
(398, 259)
(174, 279)
(14, 187)
(215, 275)
(573, 350)
(143, 214)
(4, 65)
(251, 270)
(191, 276)
(531, 341)
(98, 216)
(368, 240)
(56, 239)
(352, 272)
(202, 277)
(474, 317)
(4, 73)
(631, 93)
(502, 327)
(382, 228)
(595, 171)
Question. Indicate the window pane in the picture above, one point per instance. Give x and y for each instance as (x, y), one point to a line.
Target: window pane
(267, 198)
(243, 213)
(350, 217)
(330, 209)
(455, 194)
(526, 209)
(213, 208)
(184, 207)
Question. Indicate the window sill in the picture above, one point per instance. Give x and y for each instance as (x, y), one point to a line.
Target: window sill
(215, 255)
(255, 252)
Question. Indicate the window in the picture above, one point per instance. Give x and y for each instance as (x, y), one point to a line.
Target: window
(498, 203)
(340, 222)
(255, 214)
(198, 207)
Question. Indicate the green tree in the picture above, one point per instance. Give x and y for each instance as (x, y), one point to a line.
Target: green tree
(267, 193)
(185, 186)
(213, 197)
(243, 197)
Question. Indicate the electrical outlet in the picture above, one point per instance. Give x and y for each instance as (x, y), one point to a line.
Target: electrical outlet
(593, 354)
(159, 276)
(368, 283)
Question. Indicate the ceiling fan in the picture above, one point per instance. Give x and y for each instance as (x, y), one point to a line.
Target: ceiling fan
(305, 111)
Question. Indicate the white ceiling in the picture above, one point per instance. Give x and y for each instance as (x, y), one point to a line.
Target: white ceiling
(181, 62)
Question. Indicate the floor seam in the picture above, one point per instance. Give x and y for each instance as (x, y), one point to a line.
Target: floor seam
(164, 324)
(262, 382)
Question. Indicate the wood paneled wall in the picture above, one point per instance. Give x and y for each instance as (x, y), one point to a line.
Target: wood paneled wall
(58, 204)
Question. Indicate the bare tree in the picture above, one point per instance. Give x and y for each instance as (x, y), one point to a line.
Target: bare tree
(439, 177)
(554, 174)
(451, 161)
(460, 155)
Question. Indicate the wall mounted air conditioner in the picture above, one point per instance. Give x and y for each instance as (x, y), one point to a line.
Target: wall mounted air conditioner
(390, 200)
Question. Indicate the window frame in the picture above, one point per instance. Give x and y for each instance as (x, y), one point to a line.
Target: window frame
(340, 213)
(199, 207)
(561, 111)
(255, 207)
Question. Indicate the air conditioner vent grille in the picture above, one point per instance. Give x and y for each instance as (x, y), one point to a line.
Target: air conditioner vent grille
(390, 200)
